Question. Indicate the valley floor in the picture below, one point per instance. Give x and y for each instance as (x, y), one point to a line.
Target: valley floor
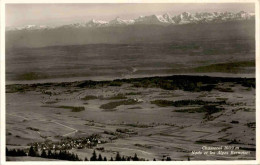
(154, 117)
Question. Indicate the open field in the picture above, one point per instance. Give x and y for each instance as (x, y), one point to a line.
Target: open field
(155, 117)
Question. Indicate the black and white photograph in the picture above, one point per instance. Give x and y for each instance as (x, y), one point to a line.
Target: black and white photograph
(130, 81)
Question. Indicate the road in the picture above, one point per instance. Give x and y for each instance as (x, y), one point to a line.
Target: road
(52, 121)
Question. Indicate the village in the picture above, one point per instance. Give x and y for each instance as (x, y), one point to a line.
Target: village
(68, 143)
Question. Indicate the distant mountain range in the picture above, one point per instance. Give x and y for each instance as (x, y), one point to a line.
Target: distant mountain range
(165, 19)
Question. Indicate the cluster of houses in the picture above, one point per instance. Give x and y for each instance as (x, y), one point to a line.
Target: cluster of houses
(69, 143)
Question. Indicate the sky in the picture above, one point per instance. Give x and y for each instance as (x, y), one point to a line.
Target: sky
(60, 14)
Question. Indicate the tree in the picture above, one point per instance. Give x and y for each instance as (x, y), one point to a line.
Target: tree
(105, 158)
(32, 152)
(123, 158)
(154, 159)
(168, 158)
(61, 154)
(35, 148)
(86, 159)
(94, 156)
(111, 159)
(77, 157)
(12, 152)
(55, 155)
(49, 155)
(20, 152)
(43, 155)
(100, 157)
(118, 157)
(135, 158)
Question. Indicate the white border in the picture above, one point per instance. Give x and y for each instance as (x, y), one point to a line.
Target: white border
(257, 44)
(2, 83)
(128, 1)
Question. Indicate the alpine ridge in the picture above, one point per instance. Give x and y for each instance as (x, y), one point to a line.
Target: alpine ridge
(165, 19)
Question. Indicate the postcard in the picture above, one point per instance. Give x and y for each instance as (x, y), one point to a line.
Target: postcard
(101, 82)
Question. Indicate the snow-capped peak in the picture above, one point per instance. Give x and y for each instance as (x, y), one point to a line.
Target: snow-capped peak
(29, 27)
(152, 19)
(96, 23)
(119, 21)
(167, 17)
(185, 15)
